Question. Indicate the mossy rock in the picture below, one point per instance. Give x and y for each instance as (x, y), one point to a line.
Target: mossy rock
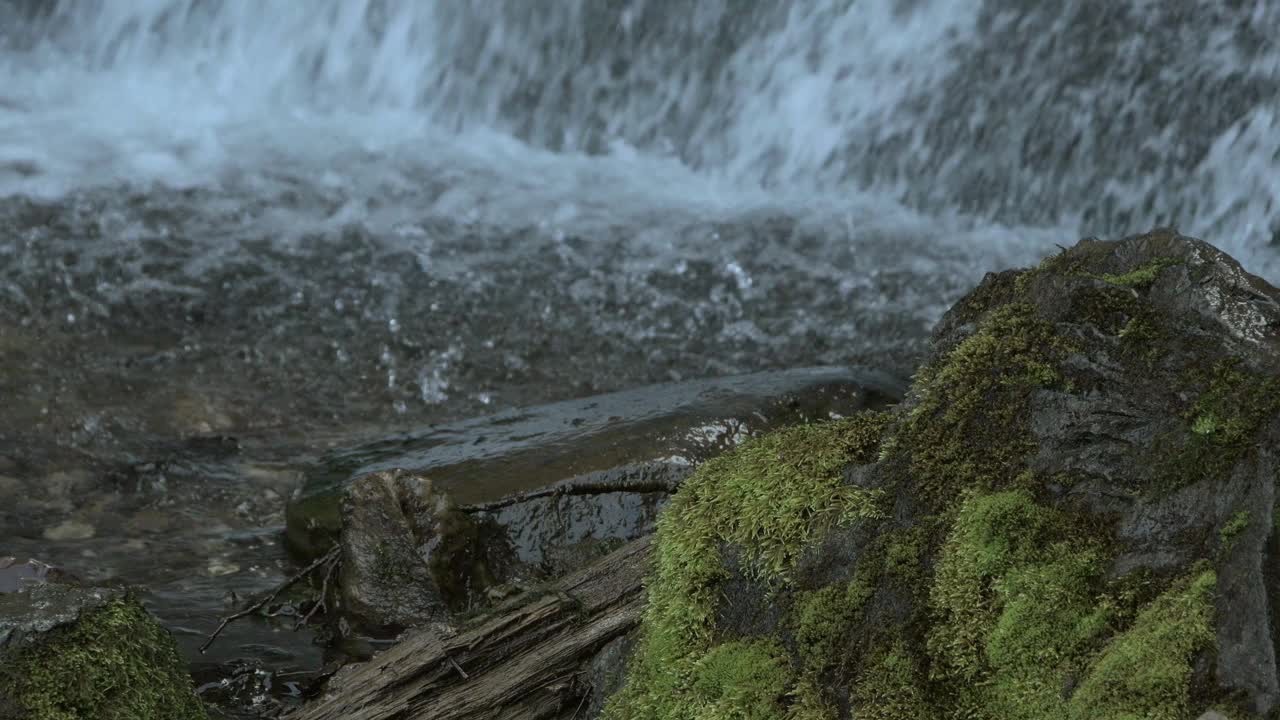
(72, 653)
(1070, 516)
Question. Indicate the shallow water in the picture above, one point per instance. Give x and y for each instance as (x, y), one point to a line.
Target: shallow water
(302, 228)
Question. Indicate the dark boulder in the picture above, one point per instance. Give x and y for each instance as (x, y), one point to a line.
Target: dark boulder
(1072, 515)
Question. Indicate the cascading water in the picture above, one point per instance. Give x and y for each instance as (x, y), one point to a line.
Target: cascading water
(1100, 117)
(291, 220)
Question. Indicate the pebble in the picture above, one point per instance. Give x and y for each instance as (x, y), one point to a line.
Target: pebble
(68, 483)
(272, 478)
(151, 521)
(69, 530)
(218, 567)
(9, 486)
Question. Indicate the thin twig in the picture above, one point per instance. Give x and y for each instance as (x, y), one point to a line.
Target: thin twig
(323, 602)
(581, 702)
(327, 557)
(457, 667)
(576, 488)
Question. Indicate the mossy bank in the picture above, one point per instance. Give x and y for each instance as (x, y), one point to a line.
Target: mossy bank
(80, 654)
(1070, 516)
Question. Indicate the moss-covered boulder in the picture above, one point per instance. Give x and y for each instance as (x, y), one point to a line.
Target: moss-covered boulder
(75, 653)
(1071, 516)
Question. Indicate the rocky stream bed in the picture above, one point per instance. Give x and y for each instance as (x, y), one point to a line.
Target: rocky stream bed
(1070, 513)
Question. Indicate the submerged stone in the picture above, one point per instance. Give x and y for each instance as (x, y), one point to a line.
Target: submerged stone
(76, 653)
(17, 574)
(1072, 515)
(664, 428)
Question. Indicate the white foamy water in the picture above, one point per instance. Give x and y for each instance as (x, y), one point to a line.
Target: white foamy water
(611, 112)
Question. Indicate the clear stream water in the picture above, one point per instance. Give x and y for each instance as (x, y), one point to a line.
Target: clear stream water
(296, 223)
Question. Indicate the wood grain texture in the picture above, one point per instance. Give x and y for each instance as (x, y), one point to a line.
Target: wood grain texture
(523, 661)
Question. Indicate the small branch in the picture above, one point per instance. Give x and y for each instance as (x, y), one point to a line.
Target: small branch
(457, 667)
(576, 488)
(323, 602)
(327, 557)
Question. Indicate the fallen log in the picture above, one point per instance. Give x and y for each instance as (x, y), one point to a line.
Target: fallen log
(523, 661)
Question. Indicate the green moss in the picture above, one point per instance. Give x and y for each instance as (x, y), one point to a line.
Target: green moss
(808, 703)
(968, 428)
(1021, 612)
(771, 498)
(1208, 424)
(1232, 529)
(116, 663)
(742, 681)
(1015, 603)
(1145, 672)
(1141, 276)
(890, 687)
(1232, 405)
(1235, 404)
(905, 552)
(1122, 312)
(1141, 331)
(822, 618)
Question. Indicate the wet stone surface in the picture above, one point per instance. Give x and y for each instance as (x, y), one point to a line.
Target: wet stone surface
(550, 488)
(662, 427)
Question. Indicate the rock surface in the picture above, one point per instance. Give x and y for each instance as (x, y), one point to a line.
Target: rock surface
(407, 553)
(1071, 516)
(664, 428)
(69, 652)
(411, 554)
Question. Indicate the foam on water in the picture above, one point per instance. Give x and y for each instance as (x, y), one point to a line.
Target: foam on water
(1048, 120)
(545, 108)
(186, 94)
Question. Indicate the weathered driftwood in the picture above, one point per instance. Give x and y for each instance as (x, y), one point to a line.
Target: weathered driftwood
(523, 661)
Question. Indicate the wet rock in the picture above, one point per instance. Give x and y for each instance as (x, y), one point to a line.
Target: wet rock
(576, 521)
(1072, 515)
(217, 567)
(607, 672)
(385, 581)
(151, 521)
(71, 483)
(70, 530)
(668, 427)
(73, 652)
(411, 553)
(17, 574)
(195, 413)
